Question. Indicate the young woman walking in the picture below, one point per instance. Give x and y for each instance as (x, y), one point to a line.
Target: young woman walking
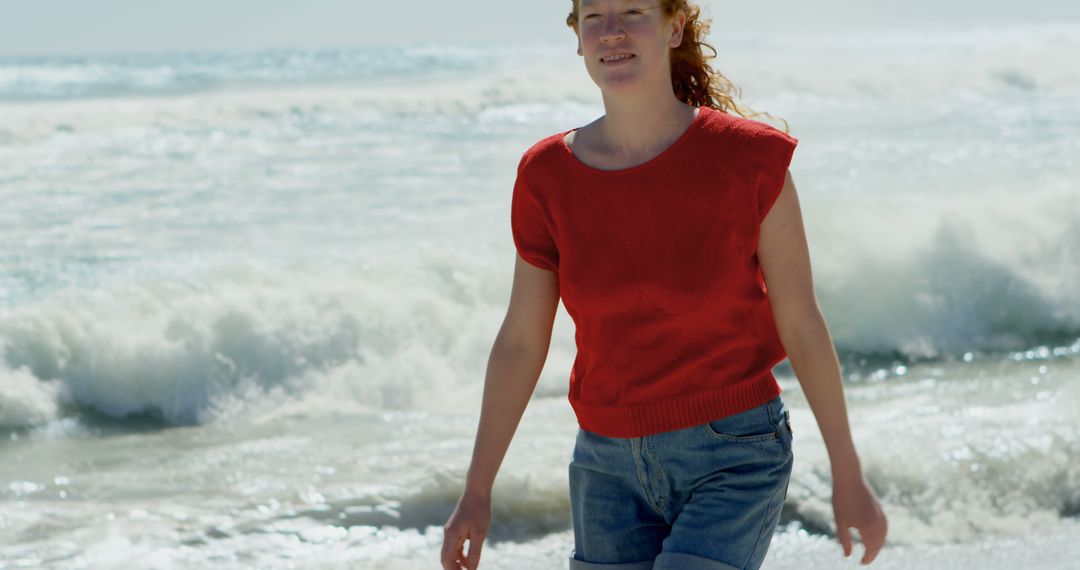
(672, 232)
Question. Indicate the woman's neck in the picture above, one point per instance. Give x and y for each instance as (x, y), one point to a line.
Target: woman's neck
(631, 132)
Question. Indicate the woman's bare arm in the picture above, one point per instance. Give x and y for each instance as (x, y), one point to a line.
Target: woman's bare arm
(785, 263)
(784, 257)
(514, 366)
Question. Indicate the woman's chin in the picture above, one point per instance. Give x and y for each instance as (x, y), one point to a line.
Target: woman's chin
(616, 78)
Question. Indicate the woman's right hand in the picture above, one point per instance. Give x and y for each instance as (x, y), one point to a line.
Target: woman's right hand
(470, 520)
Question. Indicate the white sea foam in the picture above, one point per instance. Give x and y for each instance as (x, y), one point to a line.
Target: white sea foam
(250, 319)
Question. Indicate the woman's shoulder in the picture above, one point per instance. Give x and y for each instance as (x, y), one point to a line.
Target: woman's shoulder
(743, 136)
(725, 123)
(543, 151)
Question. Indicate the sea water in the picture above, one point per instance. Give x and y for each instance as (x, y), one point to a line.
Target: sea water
(247, 298)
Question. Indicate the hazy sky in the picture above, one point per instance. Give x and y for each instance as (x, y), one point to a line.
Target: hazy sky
(83, 26)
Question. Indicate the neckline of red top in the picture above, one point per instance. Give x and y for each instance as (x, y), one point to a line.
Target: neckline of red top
(670, 150)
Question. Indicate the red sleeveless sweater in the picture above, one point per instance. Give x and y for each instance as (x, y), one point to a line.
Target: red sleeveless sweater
(657, 266)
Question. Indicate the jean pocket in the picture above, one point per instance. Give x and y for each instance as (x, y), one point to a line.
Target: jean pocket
(753, 425)
(786, 435)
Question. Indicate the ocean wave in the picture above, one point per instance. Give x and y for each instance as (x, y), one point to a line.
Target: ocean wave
(242, 339)
(29, 78)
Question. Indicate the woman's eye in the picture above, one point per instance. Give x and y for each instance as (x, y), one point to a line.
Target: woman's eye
(634, 12)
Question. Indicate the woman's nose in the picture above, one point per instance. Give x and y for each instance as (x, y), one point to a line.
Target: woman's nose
(613, 26)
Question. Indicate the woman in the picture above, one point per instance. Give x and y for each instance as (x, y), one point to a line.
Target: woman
(672, 232)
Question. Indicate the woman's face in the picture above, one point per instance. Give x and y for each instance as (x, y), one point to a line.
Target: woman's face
(638, 27)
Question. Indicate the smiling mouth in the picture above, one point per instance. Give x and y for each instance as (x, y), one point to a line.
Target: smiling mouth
(617, 58)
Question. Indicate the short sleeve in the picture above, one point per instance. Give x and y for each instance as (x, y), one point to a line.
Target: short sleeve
(776, 149)
(528, 225)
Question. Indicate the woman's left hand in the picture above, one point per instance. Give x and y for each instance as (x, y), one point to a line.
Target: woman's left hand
(856, 505)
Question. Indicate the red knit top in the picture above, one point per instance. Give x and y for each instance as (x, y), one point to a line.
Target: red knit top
(657, 265)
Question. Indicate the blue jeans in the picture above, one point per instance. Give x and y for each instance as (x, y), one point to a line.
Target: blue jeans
(707, 497)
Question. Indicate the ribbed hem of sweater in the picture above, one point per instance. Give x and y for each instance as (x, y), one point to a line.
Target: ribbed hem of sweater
(679, 413)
